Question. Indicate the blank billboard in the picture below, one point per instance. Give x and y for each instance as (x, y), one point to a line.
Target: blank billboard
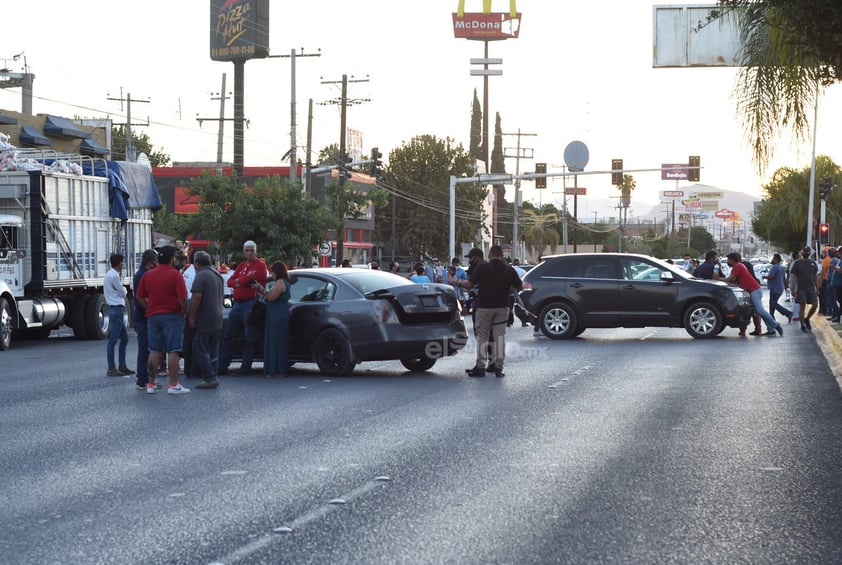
(683, 36)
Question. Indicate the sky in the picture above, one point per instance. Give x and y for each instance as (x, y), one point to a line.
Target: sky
(579, 71)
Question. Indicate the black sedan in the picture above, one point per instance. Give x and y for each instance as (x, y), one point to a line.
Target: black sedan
(342, 317)
(570, 293)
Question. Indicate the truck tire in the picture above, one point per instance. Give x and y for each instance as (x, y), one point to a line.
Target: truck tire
(96, 317)
(5, 325)
(77, 317)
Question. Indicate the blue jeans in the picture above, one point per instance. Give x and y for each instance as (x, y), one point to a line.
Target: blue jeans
(142, 352)
(757, 301)
(774, 306)
(117, 330)
(205, 354)
(237, 320)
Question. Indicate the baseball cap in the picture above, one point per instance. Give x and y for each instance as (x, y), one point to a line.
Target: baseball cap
(166, 253)
(474, 252)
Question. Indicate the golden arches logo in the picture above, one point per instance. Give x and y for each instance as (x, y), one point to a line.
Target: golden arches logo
(486, 8)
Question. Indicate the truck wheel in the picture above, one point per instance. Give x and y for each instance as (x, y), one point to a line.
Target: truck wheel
(5, 325)
(77, 317)
(96, 317)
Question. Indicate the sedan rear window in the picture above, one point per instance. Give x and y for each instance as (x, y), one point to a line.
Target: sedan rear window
(367, 281)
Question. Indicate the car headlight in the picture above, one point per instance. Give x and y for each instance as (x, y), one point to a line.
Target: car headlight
(741, 295)
(383, 313)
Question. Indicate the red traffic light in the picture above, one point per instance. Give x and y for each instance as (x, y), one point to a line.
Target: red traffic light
(824, 234)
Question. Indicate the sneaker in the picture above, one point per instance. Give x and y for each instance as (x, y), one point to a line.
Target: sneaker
(804, 329)
(491, 368)
(143, 386)
(125, 370)
(498, 372)
(476, 372)
(780, 330)
(151, 389)
(808, 324)
(113, 373)
(208, 384)
(177, 389)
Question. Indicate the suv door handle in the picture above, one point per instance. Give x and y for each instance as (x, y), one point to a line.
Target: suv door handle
(576, 285)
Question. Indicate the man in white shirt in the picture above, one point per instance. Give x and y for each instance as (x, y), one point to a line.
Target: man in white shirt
(115, 298)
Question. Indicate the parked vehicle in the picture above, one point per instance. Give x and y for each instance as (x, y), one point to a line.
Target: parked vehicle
(58, 228)
(570, 293)
(342, 317)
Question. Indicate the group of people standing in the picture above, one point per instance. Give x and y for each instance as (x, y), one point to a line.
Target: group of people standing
(168, 315)
(804, 280)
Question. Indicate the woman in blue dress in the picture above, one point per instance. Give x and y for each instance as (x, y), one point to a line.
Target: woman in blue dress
(276, 331)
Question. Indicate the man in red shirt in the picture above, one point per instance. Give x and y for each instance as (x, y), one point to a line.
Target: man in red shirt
(163, 294)
(248, 272)
(745, 280)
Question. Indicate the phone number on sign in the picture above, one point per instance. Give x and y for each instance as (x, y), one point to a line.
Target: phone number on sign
(8, 270)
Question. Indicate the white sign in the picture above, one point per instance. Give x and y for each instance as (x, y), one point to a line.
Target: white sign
(324, 248)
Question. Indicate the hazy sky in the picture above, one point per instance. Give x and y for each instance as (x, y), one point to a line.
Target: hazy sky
(579, 71)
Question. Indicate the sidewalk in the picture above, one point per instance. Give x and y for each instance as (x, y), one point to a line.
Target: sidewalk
(829, 337)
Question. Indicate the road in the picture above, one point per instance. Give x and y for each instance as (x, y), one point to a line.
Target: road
(623, 446)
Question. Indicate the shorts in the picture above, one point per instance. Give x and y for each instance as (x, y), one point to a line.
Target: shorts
(806, 297)
(165, 332)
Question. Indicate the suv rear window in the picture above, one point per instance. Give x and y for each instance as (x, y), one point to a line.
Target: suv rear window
(581, 267)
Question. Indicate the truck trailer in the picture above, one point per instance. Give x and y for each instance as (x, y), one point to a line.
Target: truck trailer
(59, 225)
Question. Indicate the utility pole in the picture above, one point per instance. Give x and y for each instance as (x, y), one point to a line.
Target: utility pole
(131, 154)
(309, 151)
(520, 153)
(343, 102)
(223, 96)
(10, 79)
(293, 161)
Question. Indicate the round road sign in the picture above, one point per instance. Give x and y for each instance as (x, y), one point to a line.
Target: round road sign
(324, 248)
(576, 156)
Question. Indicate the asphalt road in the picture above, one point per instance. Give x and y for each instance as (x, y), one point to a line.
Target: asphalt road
(621, 446)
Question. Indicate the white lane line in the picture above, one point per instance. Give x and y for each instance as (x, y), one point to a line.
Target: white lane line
(316, 513)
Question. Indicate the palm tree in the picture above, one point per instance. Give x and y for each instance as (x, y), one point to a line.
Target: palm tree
(626, 189)
(779, 80)
(540, 230)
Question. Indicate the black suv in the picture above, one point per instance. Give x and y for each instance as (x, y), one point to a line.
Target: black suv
(573, 292)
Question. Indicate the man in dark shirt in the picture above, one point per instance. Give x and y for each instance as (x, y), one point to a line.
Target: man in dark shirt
(708, 267)
(495, 279)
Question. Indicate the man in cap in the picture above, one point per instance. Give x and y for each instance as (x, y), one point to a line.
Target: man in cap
(163, 294)
(248, 271)
(805, 280)
(495, 280)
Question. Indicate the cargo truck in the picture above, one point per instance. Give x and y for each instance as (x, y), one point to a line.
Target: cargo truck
(57, 233)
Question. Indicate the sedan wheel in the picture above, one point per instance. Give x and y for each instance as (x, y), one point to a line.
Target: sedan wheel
(703, 320)
(558, 321)
(418, 364)
(332, 353)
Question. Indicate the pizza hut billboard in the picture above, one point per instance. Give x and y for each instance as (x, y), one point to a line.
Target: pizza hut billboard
(486, 25)
(239, 29)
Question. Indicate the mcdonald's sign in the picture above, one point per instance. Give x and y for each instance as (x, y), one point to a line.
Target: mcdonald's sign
(486, 25)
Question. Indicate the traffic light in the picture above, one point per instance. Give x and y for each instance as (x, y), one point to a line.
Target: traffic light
(374, 166)
(824, 234)
(540, 169)
(826, 188)
(693, 174)
(617, 178)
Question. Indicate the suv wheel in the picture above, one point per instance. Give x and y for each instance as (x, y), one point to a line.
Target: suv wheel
(558, 321)
(703, 320)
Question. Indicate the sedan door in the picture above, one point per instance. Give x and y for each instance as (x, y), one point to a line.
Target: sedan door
(310, 298)
(648, 294)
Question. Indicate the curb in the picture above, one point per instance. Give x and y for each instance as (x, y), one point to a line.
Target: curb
(831, 345)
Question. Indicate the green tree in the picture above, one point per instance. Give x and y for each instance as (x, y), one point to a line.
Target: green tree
(284, 224)
(782, 214)
(142, 144)
(418, 177)
(475, 145)
(503, 227)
